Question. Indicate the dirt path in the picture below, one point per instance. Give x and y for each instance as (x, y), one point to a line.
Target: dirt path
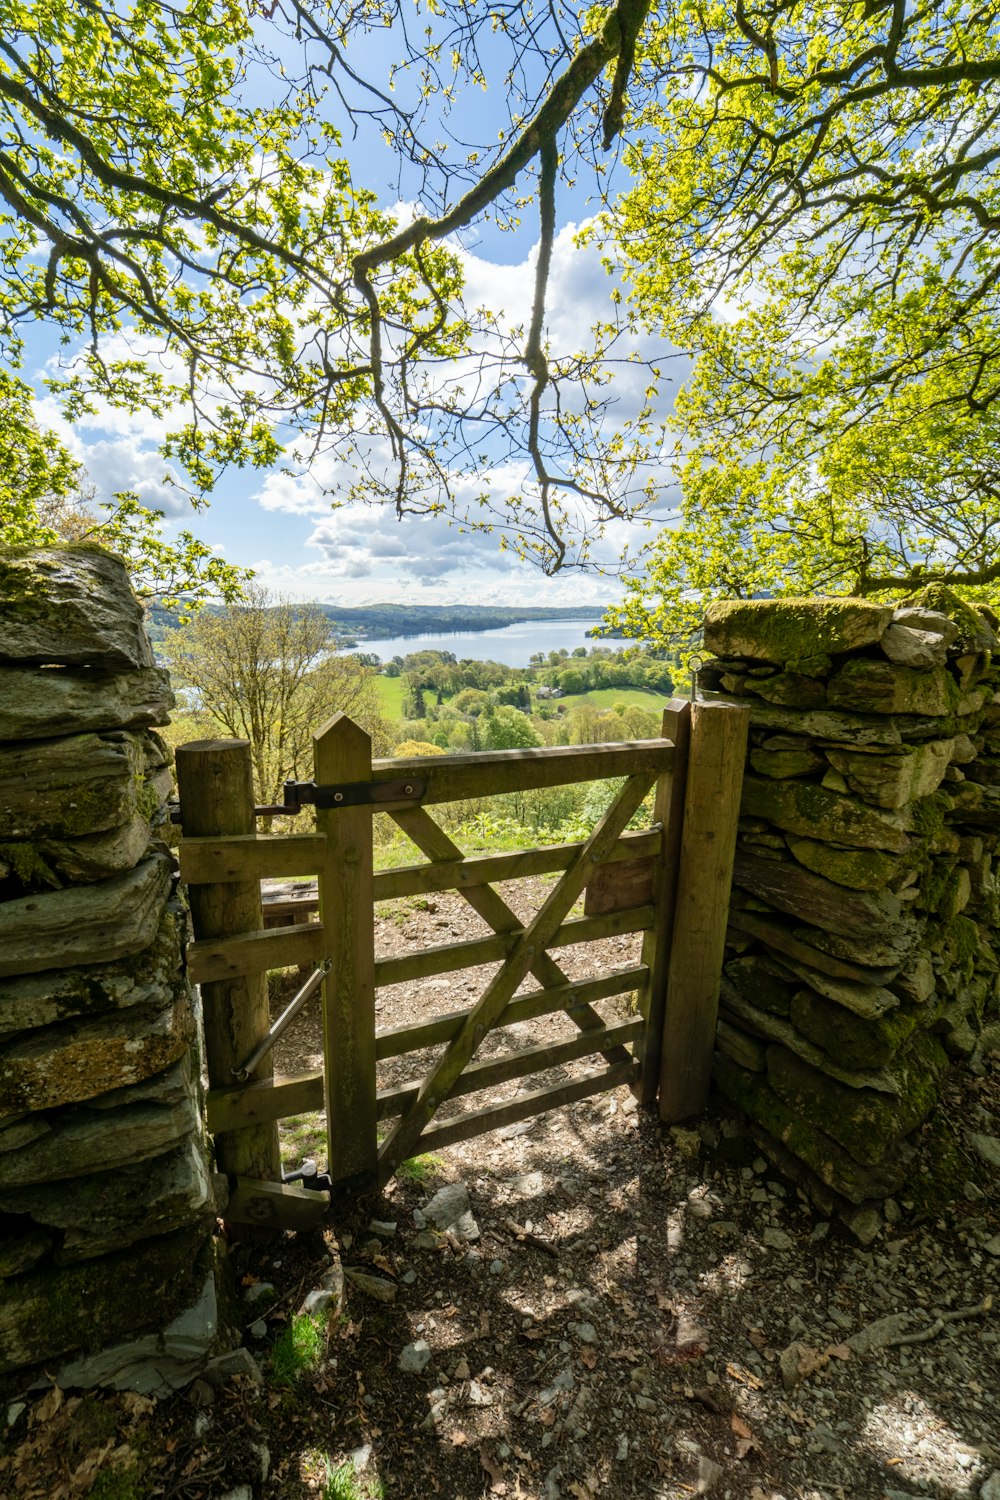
(639, 1314)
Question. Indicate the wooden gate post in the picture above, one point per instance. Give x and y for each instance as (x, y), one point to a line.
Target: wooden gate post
(215, 783)
(668, 811)
(343, 754)
(708, 845)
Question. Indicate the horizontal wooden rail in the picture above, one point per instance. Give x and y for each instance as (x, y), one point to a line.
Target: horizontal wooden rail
(490, 1071)
(447, 958)
(250, 856)
(457, 874)
(259, 1103)
(451, 778)
(478, 1121)
(255, 952)
(302, 1093)
(394, 1041)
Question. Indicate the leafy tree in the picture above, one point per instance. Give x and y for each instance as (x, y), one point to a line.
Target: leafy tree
(172, 179)
(814, 215)
(45, 498)
(262, 671)
(506, 728)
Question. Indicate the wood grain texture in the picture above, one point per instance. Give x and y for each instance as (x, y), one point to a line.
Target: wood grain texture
(342, 753)
(215, 782)
(708, 842)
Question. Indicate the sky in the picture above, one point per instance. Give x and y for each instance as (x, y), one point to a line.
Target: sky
(283, 527)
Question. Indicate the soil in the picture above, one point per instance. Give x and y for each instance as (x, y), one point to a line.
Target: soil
(645, 1312)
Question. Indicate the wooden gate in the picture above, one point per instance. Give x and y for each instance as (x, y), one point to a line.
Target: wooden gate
(670, 882)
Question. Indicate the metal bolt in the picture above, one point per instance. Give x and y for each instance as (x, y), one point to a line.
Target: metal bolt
(407, 791)
(338, 796)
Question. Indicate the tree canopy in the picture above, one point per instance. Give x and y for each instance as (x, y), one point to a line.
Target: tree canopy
(176, 182)
(815, 214)
(812, 213)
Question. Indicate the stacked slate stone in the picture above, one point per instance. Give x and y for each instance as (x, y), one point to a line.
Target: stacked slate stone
(861, 951)
(105, 1197)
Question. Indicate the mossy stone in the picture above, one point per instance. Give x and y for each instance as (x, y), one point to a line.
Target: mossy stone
(751, 978)
(865, 1123)
(804, 808)
(852, 1041)
(791, 690)
(781, 764)
(881, 687)
(69, 606)
(786, 630)
(90, 1305)
(857, 869)
(831, 1163)
(975, 634)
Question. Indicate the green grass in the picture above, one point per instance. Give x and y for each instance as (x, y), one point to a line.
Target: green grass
(391, 691)
(341, 1483)
(419, 1169)
(298, 1349)
(608, 697)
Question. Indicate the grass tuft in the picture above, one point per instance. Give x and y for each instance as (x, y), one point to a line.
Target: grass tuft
(298, 1349)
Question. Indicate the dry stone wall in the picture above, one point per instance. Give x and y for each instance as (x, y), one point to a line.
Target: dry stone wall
(863, 934)
(106, 1199)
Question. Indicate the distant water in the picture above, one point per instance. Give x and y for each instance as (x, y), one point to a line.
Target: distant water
(512, 644)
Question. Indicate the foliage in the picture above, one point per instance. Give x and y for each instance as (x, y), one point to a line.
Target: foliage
(175, 200)
(814, 216)
(44, 498)
(506, 728)
(262, 671)
(298, 1348)
(419, 1170)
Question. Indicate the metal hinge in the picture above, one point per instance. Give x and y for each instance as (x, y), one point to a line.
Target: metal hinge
(299, 794)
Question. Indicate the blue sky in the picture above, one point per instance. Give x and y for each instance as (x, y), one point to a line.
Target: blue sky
(283, 526)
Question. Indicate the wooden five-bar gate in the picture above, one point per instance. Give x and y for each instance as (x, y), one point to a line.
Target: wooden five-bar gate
(670, 882)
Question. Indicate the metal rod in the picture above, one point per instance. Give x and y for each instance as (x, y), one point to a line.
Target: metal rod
(283, 1022)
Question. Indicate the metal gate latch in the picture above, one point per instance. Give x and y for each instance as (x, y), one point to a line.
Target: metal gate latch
(291, 1010)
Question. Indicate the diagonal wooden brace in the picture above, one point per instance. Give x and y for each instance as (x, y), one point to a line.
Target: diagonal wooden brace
(437, 1085)
(431, 839)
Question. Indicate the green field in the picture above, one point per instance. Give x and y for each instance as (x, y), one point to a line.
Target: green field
(608, 697)
(391, 689)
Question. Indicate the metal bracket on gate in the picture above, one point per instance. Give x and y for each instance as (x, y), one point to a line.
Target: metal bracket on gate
(291, 1010)
(300, 794)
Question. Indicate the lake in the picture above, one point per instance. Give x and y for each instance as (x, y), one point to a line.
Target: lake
(512, 644)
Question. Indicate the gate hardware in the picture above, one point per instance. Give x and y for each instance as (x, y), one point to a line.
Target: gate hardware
(310, 1177)
(281, 1025)
(695, 664)
(299, 794)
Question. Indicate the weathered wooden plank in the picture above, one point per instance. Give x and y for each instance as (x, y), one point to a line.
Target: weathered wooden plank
(456, 874)
(450, 778)
(619, 886)
(536, 936)
(394, 1041)
(446, 958)
(478, 1121)
(217, 959)
(215, 779)
(489, 1072)
(342, 753)
(708, 844)
(249, 856)
(276, 1205)
(258, 1103)
(668, 809)
(432, 840)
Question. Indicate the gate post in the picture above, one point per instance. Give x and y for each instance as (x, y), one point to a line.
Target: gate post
(215, 785)
(708, 846)
(342, 754)
(668, 811)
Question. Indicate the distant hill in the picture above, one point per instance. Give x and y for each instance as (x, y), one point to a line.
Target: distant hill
(375, 621)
